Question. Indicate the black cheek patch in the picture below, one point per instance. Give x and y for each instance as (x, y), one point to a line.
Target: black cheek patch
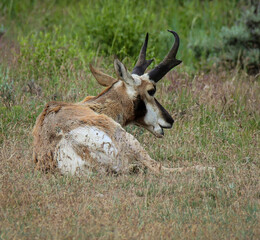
(139, 108)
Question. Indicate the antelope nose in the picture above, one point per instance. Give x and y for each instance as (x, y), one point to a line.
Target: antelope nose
(171, 121)
(167, 124)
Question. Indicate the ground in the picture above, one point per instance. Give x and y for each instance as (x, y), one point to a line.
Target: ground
(44, 55)
(216, 124)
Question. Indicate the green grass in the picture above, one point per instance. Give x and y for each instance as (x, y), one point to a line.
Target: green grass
(118, 27)
(45, 55)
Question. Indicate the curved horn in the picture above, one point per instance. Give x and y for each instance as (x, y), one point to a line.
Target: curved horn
(168, 62)
(142, 63)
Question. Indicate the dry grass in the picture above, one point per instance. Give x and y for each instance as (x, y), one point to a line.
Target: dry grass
(217, 124)
(39, 206)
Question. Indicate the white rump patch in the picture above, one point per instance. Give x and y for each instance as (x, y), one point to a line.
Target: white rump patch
(70, 154)
(67, 159)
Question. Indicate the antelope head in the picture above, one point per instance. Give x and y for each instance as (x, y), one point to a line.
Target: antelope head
(136, 91)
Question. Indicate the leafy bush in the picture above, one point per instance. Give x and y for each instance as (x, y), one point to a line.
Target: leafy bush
(108, 27)
(238, 45)
(119, 27)
(51, 54)
(241, 43)
(114, 27)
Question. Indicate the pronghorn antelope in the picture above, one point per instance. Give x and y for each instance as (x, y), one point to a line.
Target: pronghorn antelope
(78, 138)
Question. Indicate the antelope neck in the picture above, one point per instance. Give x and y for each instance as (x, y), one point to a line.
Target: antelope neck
(115, 104)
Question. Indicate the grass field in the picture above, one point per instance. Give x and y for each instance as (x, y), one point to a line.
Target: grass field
(44, 56)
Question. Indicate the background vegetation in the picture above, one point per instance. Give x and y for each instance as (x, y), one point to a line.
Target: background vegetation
(45, 49)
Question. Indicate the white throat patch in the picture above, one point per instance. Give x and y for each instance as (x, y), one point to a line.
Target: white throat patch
(151, 116)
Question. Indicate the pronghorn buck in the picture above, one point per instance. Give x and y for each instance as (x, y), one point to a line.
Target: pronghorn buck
(78, 138)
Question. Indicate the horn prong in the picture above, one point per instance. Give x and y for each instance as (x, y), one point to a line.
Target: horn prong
(142, 64)
(168, 62)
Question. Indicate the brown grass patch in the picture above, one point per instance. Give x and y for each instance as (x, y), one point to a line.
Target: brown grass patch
(217, 124)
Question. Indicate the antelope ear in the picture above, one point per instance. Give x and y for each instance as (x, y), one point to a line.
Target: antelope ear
(102, 78)
(122, 72)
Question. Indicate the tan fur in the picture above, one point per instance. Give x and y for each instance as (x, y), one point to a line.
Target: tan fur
(103, 79)
(87, 98)
(57, 118)
(107, 112)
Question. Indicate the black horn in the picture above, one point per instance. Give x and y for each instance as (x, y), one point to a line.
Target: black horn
(168, 62)
(142, 63)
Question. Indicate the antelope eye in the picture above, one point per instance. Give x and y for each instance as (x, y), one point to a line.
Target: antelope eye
(151, 92)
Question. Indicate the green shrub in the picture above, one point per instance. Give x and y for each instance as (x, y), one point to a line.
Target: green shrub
(238, 45)
(241, 42)
(114, 27)
(108, 27)
(52, 55)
